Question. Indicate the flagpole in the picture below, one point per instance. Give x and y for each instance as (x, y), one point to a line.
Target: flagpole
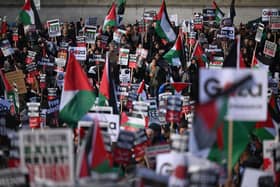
(254, 54)
(230, 147)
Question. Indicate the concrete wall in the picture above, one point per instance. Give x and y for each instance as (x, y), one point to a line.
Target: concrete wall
(72, 10)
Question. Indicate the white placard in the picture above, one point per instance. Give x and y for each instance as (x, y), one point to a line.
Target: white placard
(251, 176)
(54, 28)
(125, 75)
(167, 162)
(48, 151)
(268, 162)
(111, 120)
(269, 48)
(249, 103)
(268, 12)
(79, 52)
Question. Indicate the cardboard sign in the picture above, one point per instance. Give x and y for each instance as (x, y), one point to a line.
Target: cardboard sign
(14, 177)
(124, 76)
(208, 15)
(15, 35)
(81, 41)
(54, 28)
(269, 48)
(248, 103)
(274, 23)
(123, 56)
(48, 155)
(90, 33)
(6, 48)
(251, 177)
(268, 162)
(110, 121)
(17, 77)
(269, 12)
(79, 52)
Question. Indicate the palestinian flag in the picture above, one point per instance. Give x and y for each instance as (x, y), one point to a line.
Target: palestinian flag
(209, 136)
(163, 26)
(107, 90)
(29, 15)
(93, 156)
(174, 54)
(209, 123)
(77, 95)
(218, 12)
(199, 55)
(121, 10)
(141, 87)
(111, 18)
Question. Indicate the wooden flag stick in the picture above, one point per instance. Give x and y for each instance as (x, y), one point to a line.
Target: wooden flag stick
(230, 147)
(131, 75)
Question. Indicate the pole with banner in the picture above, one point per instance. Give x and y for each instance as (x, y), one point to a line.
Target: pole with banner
(258, 38)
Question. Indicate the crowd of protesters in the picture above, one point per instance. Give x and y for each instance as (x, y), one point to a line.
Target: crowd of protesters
(153, 69)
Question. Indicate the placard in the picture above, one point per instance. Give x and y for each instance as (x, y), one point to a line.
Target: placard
(110, 120)
(259, 33)
(227, 32)
(274, 23)
(91, 21)
(268, 12)
(123, 56)
(216, 63)
(90, 33)
(167, 162)
(174, 18)
(17, 77)
(149, 15)
(48, 155)
(251, 177)
(153, 151)
(14, 177)
(124, 75)
(54, 28)
(268, 162)
(270, 48)
(198, 23)
(79, 52)
(6, 48)
(208, 15)
(249, 103)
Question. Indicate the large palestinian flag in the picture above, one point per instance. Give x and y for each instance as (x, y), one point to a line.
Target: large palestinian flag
(77, 95)
(111, 18)
(163, 26)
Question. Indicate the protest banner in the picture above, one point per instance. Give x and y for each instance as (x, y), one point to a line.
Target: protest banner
(79, 52)
(248, 103)
(149, 15)
(90, 34)
(174, 106)
(91, 21)
(54, 28)
(34, 114)
(48, 155)
(141, 107)
(270, 48)
(17, 77)
(269, 12)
